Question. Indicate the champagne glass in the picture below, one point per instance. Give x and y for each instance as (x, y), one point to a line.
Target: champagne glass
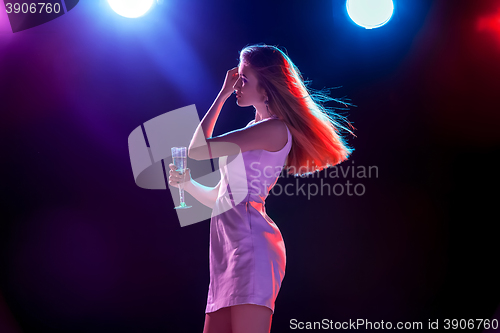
(179, 159)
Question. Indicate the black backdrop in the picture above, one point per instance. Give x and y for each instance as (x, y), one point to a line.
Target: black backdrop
(83, 249)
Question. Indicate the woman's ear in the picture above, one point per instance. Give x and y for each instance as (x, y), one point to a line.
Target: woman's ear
(264, 93)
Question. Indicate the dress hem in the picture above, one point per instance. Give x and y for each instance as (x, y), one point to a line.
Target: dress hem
(237, 301)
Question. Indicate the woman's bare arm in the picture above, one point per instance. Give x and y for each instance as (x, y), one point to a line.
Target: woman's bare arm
(207, 124)
(204, 194)
(270, 135)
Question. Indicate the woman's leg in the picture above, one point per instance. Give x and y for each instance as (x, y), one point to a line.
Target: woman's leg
(251, 318)
(218, 321)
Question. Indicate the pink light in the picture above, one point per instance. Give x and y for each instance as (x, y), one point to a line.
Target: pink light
(4, 21)
(489, 23)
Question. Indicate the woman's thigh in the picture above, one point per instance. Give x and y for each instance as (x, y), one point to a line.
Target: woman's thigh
(251, 318)
(218, 321)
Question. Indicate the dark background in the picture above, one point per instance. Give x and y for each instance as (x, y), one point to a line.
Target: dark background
(84, 249)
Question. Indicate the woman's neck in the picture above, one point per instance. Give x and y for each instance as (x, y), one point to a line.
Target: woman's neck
(259, 117)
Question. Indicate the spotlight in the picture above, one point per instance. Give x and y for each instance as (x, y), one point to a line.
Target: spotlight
(131, 8)
(370, 13)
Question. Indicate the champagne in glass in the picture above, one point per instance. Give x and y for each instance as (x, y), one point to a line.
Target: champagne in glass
(179, 159)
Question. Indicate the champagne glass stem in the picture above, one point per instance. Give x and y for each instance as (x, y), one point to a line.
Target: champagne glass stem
(181, 194)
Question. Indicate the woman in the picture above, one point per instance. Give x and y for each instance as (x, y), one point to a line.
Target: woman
(291, 128)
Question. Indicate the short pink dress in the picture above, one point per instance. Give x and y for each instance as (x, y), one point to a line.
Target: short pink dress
(247, 252)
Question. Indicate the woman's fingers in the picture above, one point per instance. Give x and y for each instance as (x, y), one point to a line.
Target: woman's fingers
(175, 177)
(173, 169)
(230, 80)
(233, 73)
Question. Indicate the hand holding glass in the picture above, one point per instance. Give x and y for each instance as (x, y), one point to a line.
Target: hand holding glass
(179, 159)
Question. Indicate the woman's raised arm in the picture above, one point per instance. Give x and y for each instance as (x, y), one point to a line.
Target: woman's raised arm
(207, 124)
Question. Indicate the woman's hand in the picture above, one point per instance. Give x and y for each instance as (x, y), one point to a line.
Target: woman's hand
(175, 179)
(231, 78)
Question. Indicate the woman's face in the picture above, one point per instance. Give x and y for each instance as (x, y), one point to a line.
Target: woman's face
(247, 90)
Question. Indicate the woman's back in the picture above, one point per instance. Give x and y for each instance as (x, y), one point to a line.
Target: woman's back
(259, 174)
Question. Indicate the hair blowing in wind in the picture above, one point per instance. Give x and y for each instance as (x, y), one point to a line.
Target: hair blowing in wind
(316, 130)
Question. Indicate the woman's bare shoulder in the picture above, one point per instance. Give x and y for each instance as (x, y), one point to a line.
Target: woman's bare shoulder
(270, 134)
(278, 134)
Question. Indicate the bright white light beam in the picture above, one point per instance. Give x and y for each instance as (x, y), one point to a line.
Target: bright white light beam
(370, 14)
(131, 8)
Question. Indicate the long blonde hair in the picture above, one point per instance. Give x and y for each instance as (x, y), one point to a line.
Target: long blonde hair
(317, 142)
